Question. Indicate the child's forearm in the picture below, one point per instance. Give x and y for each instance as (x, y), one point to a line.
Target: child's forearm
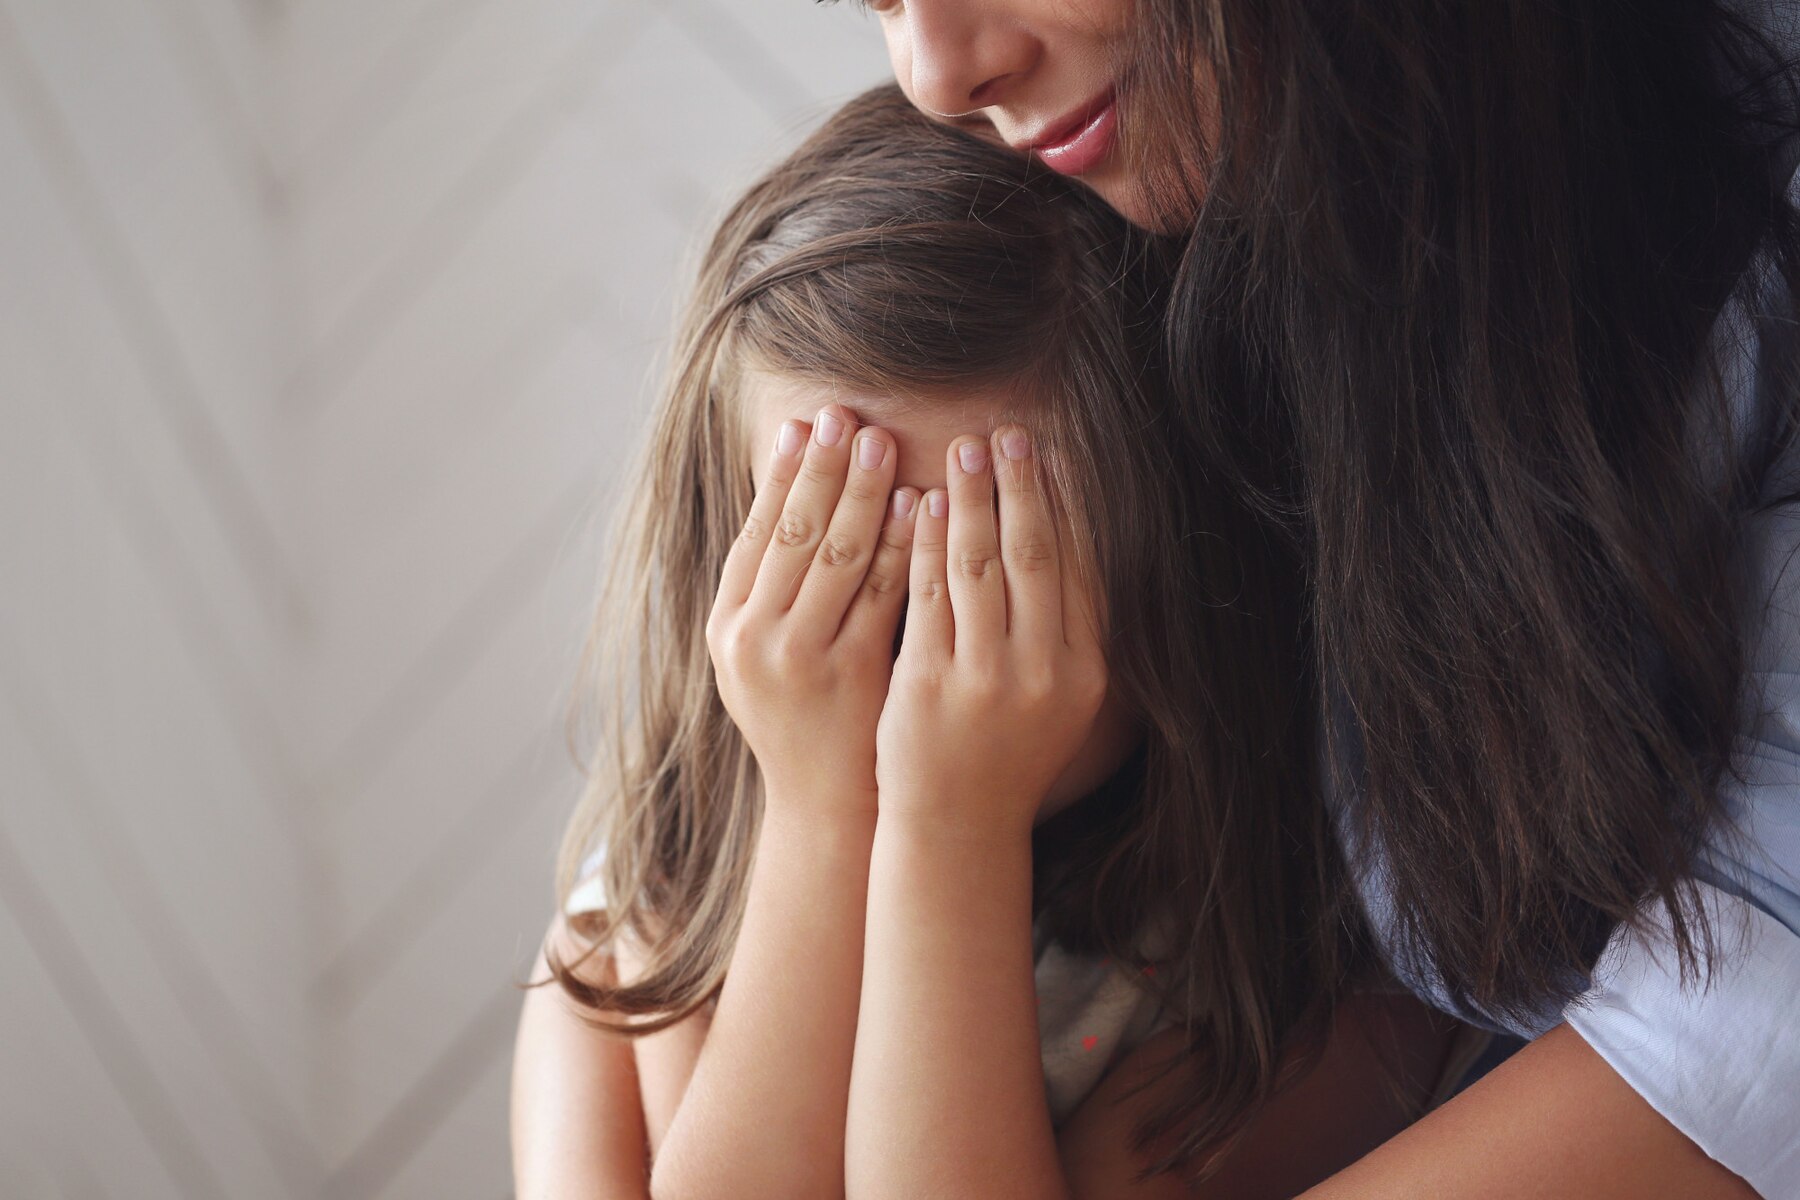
(763, 1116)
(665, 1064)
(665, 1059)
(577, 1124)
(947, 1095)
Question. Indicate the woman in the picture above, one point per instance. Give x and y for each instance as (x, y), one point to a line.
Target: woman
(1485, 303)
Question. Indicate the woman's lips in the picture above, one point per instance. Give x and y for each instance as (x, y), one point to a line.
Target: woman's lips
(1077, 145)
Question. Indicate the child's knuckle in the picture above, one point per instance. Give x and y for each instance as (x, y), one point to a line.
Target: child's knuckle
(782, 651)
(1031, 553)
(839, 550)
(929, 591)
(882, 581)
(983, 689)
(977, 564)
(730, 644)
(794, 529)
(1038, 682)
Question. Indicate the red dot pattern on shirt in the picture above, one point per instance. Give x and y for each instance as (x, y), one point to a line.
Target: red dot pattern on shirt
(1090, 1041)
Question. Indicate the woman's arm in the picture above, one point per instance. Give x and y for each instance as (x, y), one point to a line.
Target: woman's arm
(1552, 1121)
(577, 1124)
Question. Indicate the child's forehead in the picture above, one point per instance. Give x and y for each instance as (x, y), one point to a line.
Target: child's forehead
(957, 408)
(922, 424)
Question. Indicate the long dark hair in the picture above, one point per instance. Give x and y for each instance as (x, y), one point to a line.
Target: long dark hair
(891, 253)
(1444, 309)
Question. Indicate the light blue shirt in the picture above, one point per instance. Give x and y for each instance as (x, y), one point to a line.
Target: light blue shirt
(1720, 1059)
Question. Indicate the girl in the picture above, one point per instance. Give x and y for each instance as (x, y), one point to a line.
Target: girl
(1488, 305)
(901, 726)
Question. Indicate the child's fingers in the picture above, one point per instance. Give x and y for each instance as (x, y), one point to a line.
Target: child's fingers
(746, 554)
(1028, 549)
(807, 513)
(977, 582)
(930, 623)
(876, 607)
(848, 547)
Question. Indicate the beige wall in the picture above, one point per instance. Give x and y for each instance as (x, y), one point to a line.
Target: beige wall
(323, 328)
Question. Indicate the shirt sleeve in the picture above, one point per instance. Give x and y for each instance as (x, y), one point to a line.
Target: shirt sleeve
(1720, 1057)
(589, 892)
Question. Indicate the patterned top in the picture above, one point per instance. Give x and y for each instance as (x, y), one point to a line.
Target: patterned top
(1092, 1012)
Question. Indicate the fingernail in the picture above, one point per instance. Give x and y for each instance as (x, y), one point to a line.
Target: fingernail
(869, 452)
(1014, 444)
(973, 456)
(903, 504)
(936, 502)
(828, 429)
(787, 440)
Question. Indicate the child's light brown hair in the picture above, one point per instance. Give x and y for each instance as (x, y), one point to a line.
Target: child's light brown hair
(892, 254)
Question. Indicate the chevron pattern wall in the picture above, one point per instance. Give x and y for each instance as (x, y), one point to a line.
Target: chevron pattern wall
(324, 328)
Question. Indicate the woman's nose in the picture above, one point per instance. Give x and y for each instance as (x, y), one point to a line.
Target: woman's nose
(965, 54)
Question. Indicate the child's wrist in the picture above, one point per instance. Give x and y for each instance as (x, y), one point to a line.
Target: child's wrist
(817, 811)
(966, 822)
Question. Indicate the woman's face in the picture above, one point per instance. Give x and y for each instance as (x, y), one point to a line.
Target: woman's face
(922, 434)
(1034, 75)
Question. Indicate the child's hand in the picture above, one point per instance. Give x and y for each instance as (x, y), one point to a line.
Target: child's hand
(802, 629)
(1001, 673)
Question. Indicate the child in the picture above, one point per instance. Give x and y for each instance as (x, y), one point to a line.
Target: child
(840, 690)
